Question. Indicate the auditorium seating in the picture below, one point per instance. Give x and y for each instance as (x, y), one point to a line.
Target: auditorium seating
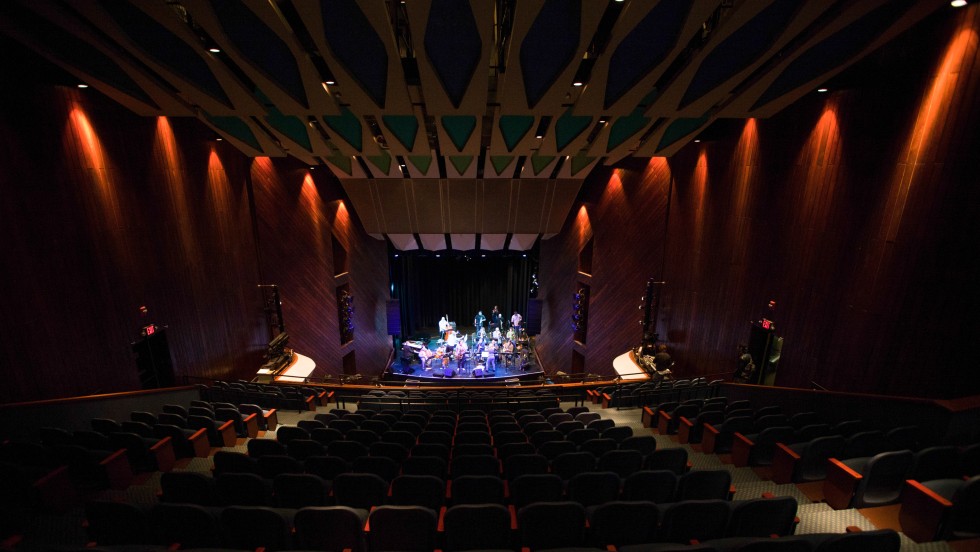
(497, 480)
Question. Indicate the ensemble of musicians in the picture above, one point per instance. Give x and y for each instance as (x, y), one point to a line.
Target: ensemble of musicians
(491, 343)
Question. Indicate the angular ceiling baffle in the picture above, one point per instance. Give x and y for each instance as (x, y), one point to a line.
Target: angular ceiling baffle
(472, 119)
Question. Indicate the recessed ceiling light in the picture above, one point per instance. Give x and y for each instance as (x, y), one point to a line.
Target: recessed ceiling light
(821, 90)
(958, 3)
(214, 50)
(219, 139)
(82, 85)
(330, 82)
(577, 83)
(697, 140)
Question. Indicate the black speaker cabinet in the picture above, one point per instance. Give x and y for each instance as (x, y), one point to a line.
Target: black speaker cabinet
(765, 348)
(533, 325)
(153, 361)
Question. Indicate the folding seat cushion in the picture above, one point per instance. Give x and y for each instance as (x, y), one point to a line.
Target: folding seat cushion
(621, 462)
(700, 520)
(188, 487)
(405, 528)
(478, 527)
(243, 489)
(523, 464)
(187, 525)
(593, 488)
(880, 482)
(477, 489)
(359, 490)
(672, 459)
(418, 490)
(658, 486)
(569, 464)
(762, 517)
(333, 528)
(620, 523)
(531, 488)
(704, 485)
(547, 525)
(116, 523)
(253, 527)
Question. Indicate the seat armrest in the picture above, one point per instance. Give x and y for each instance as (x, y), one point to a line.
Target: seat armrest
(163, 452)
(228, 435)
(647, 417)
(708, 441)
(684, 428)
(117, 469)
(841, 482)
(56, 492)
(663, 420)
(271, 419)
(922, 512)
(784, 461)
(199, 442)
(741, 449)
(251, 425)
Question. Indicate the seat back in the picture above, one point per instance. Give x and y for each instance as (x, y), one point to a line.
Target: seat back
(252, 527)
(477, 526)
(333, 528)
(762, 517)
(622, 523)
(545, 525)
(406, 528)
(884, 479)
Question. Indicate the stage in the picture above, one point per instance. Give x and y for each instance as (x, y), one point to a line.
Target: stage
(407, 367)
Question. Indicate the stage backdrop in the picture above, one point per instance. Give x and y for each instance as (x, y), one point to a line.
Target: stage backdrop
(459, 285)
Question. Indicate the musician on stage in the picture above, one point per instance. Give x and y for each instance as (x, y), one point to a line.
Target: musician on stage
(496, 334)
(461, 355)
(492, 356)
(444, 326)
(451, 341)
(479, 320)
(507, 349)
(495, 318)
(515, 322)
(424, 355)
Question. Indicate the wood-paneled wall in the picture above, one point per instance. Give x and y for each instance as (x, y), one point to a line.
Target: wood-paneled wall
(855, 211)
(103, 211)
(301, 213)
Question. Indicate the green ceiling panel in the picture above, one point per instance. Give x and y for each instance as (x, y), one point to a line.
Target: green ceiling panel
(459, 128)
(679, 129)
(624, 127)
(236, 127)
(347, 126)
(404, 127)
(461, 162)
(514, 127)
(540, 162)
(382, 161)
(500, 162)
(341, 161)
(568, 127)
(579, 162)
(421, 162)
(291, 126)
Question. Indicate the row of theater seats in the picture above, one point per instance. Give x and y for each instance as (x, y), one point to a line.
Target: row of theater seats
(268, 396)
(364, 489)
(860, 467)
(653, 392)
(536, 526)
(432, 400)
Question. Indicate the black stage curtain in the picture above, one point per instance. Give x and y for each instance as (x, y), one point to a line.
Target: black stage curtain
(430, 287)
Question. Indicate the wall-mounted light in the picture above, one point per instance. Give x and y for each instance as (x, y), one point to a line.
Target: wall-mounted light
(82, 85)
(958, 3)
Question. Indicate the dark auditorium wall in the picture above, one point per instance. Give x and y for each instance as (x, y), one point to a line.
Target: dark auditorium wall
(301, 214)
(855, 211)
(104, 211)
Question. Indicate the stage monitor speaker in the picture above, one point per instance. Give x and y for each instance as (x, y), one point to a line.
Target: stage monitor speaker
(153, 360)
(534, 316)
(394, 311)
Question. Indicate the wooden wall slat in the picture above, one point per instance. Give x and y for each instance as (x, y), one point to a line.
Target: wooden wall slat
(855, 212)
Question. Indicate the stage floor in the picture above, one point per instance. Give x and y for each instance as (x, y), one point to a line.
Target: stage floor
(401, 369)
